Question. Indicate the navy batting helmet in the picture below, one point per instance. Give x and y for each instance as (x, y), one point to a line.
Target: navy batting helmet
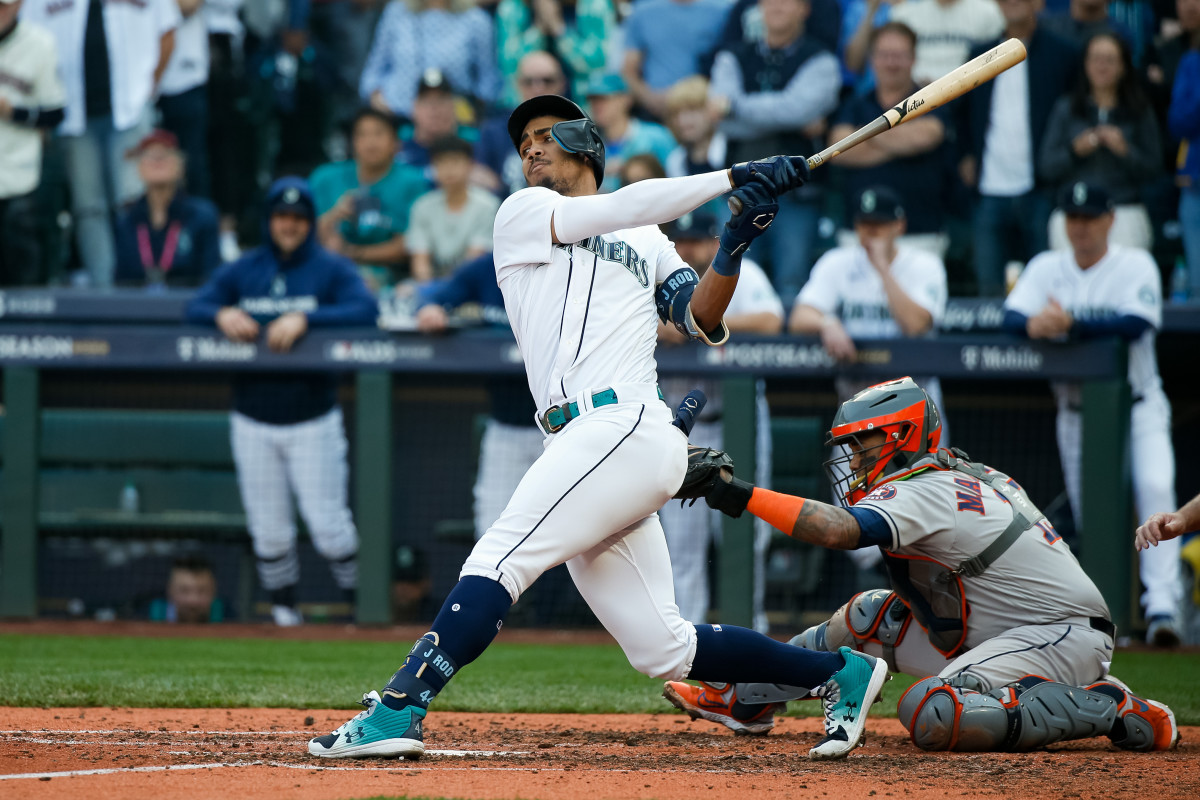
(577, 133)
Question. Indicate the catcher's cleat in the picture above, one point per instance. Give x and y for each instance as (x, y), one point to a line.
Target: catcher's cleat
(717, 702)
(846, 697)
(378, 731)
(1142, 725)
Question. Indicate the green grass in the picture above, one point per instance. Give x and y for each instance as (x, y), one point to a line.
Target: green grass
(220, 673)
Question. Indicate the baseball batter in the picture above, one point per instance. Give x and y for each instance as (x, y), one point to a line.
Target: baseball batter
(1097, 289)
(1013, 627)
(585, 279)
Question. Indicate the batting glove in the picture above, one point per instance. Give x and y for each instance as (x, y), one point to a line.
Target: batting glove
(758, 208)
(781, 173)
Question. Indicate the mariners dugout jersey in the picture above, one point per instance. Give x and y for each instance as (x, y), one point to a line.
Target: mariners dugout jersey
(1124, 282)
(950, 517)
(583, 313)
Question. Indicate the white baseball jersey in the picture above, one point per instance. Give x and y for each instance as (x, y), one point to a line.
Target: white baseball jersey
(946, 32)
(950, 517)
(28, 79)
(844, 283)
(188, 67)
(1124, 282)
(133, 30)
(604, 327)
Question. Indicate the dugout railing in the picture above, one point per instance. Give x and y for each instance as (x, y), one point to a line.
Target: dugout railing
(380, 362)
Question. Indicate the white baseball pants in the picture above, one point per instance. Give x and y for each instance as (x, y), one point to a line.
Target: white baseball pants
(307, 460)
(591, 500)
(1153, 461)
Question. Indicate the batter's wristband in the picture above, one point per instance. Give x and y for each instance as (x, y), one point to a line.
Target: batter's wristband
(725, 264)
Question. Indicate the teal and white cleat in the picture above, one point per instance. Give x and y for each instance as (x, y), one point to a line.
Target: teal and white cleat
(846, 697)
(378, 731)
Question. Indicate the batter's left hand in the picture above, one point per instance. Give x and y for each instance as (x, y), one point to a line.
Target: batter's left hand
(285, 330)
(780, 173)
(757, 208)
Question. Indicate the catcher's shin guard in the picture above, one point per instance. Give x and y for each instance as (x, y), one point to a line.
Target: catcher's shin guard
(876, 616)
(1021, 716)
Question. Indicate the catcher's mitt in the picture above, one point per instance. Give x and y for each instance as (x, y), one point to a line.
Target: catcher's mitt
(703, 470)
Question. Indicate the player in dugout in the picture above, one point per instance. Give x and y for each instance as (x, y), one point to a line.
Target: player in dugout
(1012, 640)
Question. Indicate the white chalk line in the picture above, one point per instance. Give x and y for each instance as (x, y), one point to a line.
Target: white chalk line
(191, 732)
(400, 766)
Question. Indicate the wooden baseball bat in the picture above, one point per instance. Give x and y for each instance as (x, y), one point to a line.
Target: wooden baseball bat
(952, 85)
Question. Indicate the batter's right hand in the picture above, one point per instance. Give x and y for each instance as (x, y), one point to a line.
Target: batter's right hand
(236, 324)
(780, 173)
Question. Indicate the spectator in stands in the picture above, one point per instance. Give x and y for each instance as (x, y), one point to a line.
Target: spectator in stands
(1104, 132)
(414, 36)
(363, 203)
(1004, 121)
(611, 106)
(744, 24)
(578, 34)
(640, 167)
(191, 594)
(183, 94)
(434, 115)
(230, 140)
(947, 30)
(913, 160)
(498, 165)
(665, 42)
(112, 57)
(701, 147)
(754, 309)
(167, 237)
(1083, 20)
(344, 29)
(773, 97)
(31, 101)
(454, 222)
(1184, 121)
(859, 20)
(286, 428)
(877, 288)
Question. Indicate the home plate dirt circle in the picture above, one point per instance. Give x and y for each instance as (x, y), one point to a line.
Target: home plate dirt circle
(128, 753)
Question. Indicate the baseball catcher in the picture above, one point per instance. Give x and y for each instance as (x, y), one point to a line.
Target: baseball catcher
(1014, 638)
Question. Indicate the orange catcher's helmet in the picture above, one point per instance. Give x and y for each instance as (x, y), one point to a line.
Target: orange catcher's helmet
(909, 420)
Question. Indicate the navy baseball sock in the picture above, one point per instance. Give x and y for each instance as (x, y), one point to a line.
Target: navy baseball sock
(468, 622)
(730, 654)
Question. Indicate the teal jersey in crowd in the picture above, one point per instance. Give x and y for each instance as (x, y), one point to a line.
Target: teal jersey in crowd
(381, 209)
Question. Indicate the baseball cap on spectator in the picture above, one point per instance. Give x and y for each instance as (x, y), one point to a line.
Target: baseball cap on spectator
(698, 224)
(291, 199)
(1085, 200)
(606, 83)
(433, 80)
(158, 136)
(444, 145)
(878, 204)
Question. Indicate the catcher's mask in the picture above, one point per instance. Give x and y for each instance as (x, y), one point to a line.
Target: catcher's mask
(576, 134)
(911, 426)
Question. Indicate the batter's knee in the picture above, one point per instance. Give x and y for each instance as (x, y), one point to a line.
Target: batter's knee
(669, 660)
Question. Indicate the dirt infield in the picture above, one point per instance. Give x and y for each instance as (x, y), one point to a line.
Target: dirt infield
(137, 754)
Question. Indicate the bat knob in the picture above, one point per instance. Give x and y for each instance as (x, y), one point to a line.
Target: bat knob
(735, 205)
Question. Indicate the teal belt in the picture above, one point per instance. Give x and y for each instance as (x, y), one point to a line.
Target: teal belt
(557, 417)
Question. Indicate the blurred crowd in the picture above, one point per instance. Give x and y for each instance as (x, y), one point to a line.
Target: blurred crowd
(138, 138)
